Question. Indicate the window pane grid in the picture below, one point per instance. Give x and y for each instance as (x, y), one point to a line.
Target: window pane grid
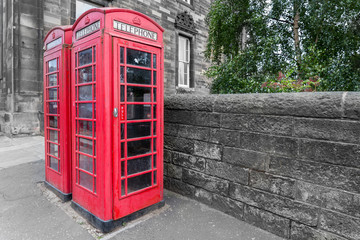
(85, 119)
(140, 112)
(52, 106)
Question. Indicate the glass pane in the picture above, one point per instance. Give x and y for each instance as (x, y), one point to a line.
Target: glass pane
(85, 75)
(52, 65)
(122, 131)
(53, 121)
(154, 93)
(94, 53)
(121, 54)
(154, 128)
(85, 163)
(54, 163)
(85, 57)
(123, 168)
(54, 136)
(52, 93)
(155, 180)
(154, 144)
(123, 187)
(139, 76)
(139, 58)
(86, 180)
(154, 61)
(85, 93)
(122, 93)
(154, 77)
(154, 160)
(142, 129)
(86, 146)
(122, 74)
(85, 110)
(138, 112)
(138, 165)
(138, 94)
(139, 182)
(54, 150)
(181, 73)
(182, 47)
(85, 128)
(154, 113)
(122, 150)
(138, 147)
(52, 80)
(53, 107)
(94, 91)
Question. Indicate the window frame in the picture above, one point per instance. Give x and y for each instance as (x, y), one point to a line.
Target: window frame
(187, 60)
(192, 39)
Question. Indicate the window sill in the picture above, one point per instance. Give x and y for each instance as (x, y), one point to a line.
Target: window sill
(184, 90)
(186, 4)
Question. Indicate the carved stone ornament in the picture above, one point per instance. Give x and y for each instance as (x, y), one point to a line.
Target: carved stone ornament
(184, 21)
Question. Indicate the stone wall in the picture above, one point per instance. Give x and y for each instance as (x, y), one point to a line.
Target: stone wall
(287, 163)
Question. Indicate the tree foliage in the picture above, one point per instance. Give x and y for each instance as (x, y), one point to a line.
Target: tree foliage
(251, 41)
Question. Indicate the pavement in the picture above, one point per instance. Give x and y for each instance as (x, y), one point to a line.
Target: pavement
(29, 211)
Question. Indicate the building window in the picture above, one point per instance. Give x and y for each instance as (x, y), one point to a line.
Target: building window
(184, 62)
(83, 6)
(187, 1)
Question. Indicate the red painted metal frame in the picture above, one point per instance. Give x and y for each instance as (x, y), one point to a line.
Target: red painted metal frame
(105, 203)
(61, 178)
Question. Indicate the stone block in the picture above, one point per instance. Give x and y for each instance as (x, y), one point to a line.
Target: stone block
(224, 137)
(335, 130)
(340, 224)
(267, 221)
(212, 184)
(274, 125)
(303, 232)
(168, 156)
(207, 150)
(282, 146)
(323, 104)
(173, 171)
(227, 171)
(193, 132)
(179, 187)
(228, 206)
(279, 205)
(324, 174)
(234, 121)
(179, 144)
(189, 161)
(330, 152)
(273, 184)
(246, 158)
(171, 129)
(352, 105)
(328, 198)
(190, 102)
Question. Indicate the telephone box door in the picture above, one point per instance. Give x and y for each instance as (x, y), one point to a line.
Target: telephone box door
(137, 124)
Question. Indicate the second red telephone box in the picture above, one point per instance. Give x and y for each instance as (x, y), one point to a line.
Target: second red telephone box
(117, 115)
(57, 127)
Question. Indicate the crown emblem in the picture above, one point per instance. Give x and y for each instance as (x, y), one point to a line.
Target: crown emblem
(53, 35)
(87, 19)
(137, 21)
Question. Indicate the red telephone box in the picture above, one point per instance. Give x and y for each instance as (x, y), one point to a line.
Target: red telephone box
(57, 127)
(117, 115)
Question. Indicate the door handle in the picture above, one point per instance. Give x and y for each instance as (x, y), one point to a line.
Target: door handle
(116, 112)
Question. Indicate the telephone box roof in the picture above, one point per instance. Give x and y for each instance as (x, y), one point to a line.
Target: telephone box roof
(112, 10)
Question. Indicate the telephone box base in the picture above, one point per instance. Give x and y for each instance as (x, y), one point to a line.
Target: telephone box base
(108, 226)
(65, 197)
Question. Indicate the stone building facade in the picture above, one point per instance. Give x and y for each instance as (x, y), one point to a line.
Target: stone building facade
(25, 23)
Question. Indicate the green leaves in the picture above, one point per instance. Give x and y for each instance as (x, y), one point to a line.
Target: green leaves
(329, 45)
